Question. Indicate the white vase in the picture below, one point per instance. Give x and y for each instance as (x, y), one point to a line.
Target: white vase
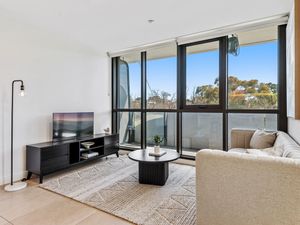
(156, 149)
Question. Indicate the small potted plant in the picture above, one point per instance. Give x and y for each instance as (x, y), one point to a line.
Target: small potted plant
(157, 140)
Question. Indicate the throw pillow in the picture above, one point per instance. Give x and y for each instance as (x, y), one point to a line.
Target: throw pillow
(262, 139)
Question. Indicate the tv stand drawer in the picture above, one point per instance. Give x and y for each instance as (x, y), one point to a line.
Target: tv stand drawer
(54, 151)
(111, 140)
(54, 164)
(111, 149)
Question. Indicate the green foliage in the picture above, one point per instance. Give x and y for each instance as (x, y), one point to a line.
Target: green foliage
(158, 139)
(241, 94)
(251, 94)
(206, 94)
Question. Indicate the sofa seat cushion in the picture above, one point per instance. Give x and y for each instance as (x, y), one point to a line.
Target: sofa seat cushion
(238, 150)
(260, 152)
(262, 139)
(273, 151)
(290, 148)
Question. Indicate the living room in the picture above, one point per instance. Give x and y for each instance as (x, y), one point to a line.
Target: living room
(162, 112)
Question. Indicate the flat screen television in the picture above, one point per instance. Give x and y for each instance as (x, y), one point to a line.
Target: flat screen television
(72, 125)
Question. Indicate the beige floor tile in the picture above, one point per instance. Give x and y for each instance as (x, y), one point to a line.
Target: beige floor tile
(102, 218)
(3, 221)
(36, 206)
(17, 204)
(63, 211)
(8, 195)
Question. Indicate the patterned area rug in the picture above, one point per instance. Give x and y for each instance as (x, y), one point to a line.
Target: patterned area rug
(112, 185)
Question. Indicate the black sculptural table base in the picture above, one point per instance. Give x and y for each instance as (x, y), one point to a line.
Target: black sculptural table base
(153, 170)
(153, 173)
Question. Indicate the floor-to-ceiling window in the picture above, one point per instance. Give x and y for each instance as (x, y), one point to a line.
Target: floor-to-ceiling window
(128, 91)
(193, 95)
(129, 81)
(202, 95)
(252, 76)
(161, 95)
(161, 78)
(145, 84)
(202, 74)
(252, 82)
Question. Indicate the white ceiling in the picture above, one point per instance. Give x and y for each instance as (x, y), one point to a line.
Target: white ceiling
(106, 25)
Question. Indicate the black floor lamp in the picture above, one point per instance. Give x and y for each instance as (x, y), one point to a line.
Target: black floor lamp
(14, 186)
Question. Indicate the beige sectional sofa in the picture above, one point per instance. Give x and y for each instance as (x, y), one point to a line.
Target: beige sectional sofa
(236, 188)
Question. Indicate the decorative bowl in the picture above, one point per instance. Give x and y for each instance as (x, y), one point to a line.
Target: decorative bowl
(88, 144)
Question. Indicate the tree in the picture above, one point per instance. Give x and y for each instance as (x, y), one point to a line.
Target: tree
(255, 94)
(263, 88)
(164, 96)
(241, 94)
(207, 94)
(161, 99)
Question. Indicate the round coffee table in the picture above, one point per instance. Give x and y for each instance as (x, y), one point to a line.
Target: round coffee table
(153, 169)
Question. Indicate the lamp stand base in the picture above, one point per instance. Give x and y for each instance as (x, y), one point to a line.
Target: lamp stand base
(16, 186)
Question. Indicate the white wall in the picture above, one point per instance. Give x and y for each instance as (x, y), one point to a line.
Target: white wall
(294, 129)
(58, 76)
(293, 125)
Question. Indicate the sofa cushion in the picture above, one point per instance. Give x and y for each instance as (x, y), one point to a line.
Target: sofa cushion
(290, 148)
(273, 151)
(238, 150)
(262, 139)
(294, 154)
(254, 151)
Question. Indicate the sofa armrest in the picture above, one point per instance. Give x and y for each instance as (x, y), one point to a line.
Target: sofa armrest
(237, 188)
(241, 138)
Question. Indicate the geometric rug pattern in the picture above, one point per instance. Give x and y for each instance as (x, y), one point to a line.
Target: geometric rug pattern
(111, 185)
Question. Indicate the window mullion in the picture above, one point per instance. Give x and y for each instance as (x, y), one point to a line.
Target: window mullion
(223, 88)
(144, 100)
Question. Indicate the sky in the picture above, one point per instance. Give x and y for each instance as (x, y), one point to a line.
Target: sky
(254, 62)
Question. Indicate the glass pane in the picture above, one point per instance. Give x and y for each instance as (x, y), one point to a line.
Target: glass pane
(161, 78)
(200, 131)
(252, 77)
(251, 121)
(130, 129)
(130, 81)
(164, 125)
(202, 74)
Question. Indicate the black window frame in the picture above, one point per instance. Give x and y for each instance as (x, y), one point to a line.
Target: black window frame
(222, 44)
(146, 88)
(282, 124)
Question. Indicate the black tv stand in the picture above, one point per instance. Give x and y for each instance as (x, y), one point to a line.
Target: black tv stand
(49, 157)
